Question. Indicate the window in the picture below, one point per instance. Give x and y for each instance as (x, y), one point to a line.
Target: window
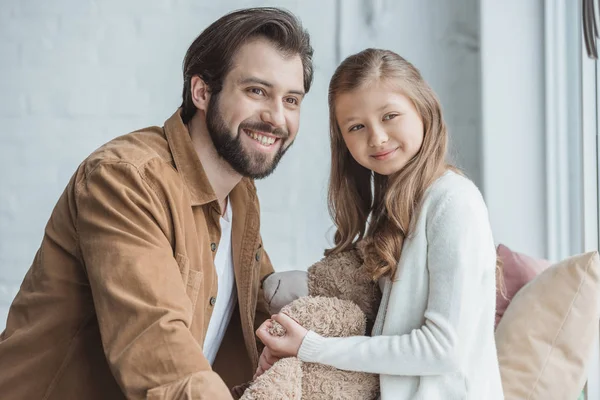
(572, 156)
(590, 96)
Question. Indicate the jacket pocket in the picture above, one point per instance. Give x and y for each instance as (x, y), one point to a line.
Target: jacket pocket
(190, 277)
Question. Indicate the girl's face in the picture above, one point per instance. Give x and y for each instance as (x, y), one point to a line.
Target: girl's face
(380, 126)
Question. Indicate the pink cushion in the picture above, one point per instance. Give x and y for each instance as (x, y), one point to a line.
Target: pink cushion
(519, 269)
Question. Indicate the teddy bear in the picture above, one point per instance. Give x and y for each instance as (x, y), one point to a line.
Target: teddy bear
(342, 301)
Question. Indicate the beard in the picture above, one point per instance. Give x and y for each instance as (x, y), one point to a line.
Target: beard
(229, 146)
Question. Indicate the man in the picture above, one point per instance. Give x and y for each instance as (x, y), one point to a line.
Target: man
(152, 259)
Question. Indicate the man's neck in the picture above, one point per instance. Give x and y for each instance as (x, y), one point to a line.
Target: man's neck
(221, 176)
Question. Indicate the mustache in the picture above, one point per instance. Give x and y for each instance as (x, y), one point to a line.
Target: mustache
(264, 127)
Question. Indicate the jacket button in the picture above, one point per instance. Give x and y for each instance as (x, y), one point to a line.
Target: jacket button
(213, 246)
(212, 301)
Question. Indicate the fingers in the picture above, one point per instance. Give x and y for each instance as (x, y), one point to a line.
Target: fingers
(270, 358)
(263, 334)
(259, 372)
(264, 364)
(284, 320)
(263, 330)
(286, 345)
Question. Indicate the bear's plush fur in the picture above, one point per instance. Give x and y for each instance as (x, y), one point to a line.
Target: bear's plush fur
(342, 301)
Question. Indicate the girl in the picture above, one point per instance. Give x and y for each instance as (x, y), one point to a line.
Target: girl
(429, 241)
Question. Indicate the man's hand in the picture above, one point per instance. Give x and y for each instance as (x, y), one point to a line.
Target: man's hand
(265, 362)
(281, 288)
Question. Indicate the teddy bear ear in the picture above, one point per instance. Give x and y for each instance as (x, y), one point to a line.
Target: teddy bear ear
(361, 247)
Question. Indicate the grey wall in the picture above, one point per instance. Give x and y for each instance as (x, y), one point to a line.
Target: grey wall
(514, 137)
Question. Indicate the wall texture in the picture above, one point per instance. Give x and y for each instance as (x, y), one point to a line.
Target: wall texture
(76, 73)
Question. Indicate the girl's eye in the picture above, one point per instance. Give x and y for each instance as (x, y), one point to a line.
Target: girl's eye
(387, 117)
(356, 128)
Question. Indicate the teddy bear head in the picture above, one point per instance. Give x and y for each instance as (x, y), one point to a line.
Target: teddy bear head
(345, 277)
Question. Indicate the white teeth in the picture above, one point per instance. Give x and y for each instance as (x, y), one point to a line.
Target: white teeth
(264, 140)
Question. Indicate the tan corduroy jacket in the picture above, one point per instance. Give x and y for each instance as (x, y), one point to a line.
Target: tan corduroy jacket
(117, 301)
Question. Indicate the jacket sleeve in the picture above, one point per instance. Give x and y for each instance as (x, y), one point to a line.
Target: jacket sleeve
(139, 296)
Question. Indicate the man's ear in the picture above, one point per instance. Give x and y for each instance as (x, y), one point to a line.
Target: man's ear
(200, 93)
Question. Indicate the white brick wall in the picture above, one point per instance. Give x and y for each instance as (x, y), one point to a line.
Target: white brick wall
(76, 73)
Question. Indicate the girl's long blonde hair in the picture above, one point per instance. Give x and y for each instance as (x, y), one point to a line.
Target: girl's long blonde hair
(382, 210)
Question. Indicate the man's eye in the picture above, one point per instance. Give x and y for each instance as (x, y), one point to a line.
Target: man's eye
(257, 91)
(291, 100)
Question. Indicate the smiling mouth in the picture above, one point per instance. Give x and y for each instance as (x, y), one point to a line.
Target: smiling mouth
(384, 154)
(261, 138)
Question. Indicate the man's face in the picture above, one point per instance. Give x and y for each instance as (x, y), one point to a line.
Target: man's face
(255, 117)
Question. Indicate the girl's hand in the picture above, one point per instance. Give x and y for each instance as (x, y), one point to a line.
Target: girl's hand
(286, 345)
(265, 362)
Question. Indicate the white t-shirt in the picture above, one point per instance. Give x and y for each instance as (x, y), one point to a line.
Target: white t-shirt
(227, 294)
